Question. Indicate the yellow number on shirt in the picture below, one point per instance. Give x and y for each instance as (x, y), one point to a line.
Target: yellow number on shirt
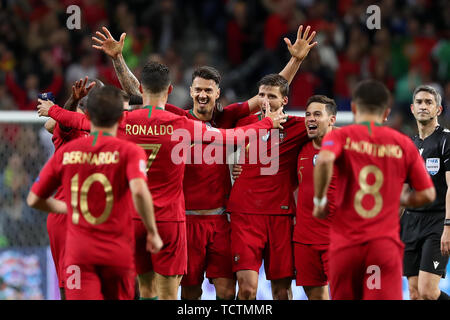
(366, 189)
(154, 147)
(84, 208)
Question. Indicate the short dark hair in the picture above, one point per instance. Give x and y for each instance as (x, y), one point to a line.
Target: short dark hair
(208, 73)
(105, 106)
(431, 90)
(155, 77)
(329, 103)
(275, 80)
(371, 96)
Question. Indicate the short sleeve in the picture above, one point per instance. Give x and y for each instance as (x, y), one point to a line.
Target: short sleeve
(333, 141)
(136, 163)
(233, 112)
(49, 178)
(446, 152)
(418, 176)
(175, 110)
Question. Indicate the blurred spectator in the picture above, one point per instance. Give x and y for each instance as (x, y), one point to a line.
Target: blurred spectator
(85, 67)
(26, 97)
(166, 24)
(241, 34)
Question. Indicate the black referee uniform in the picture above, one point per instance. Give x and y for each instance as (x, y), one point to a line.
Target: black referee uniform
(421, 228)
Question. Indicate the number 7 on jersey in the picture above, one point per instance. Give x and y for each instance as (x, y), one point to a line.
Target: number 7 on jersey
(154, 147)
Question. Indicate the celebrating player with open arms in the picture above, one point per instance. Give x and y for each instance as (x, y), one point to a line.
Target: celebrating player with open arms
(152, 127)
(56, 223)
(101, 177)
(373, 162)
(208, 229)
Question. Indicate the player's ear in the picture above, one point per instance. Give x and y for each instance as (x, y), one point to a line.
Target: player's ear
(353, 107)
(285, 100)
(386, 114)
(218, 93)
(412, 108)
(170, 89)
(332, 120)
(439, 110)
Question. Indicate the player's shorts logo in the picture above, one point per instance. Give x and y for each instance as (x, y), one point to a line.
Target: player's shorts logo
(433, 165)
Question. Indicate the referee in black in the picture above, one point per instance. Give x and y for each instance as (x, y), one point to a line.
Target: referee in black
(426, 230)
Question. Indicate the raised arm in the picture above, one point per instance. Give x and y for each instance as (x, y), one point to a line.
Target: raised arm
(299, 50)
(79, 91)
(66, 118)
(113, 48)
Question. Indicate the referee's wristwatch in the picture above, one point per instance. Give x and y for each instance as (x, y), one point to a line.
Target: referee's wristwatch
(447, 222)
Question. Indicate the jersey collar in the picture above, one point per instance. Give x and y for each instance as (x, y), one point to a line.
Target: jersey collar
(97, 134)
(150, 109)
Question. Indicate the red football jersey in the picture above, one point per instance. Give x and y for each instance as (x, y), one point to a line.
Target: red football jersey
(212, 179)
(307, 229)
(153, 129)
(373, 164)
(95, 174)
(61, 137)
(270, 193)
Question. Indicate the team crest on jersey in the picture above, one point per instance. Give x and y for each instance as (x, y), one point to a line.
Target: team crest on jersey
(433, 165)
(236, 258)
(282, 136)
(266, 136)
(315, 159)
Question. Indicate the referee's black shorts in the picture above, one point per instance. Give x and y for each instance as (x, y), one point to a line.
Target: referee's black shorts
(421, 233)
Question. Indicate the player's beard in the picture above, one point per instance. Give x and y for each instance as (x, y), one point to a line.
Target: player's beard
(205, 107)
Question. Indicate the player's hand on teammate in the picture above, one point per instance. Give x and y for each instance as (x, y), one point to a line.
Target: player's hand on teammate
(302, 45)
(445, 241)
(79, 89)
(154, 243)
(108, 44)
(236, 171)
(278, 117)
(320, 212)
(43, 107)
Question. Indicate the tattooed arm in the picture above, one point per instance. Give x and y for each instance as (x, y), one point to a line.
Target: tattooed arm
(113, 49)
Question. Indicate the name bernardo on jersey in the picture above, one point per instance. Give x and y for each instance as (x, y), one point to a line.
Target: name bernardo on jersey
(372, 149)
(79, 157)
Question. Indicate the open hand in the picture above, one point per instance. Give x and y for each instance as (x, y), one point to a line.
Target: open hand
(302, 45)
(79, 89)
(108, 44)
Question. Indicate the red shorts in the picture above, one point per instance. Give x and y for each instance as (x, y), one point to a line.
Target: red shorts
(91, 282)
(209, 248)
(56, 228)
(171, 260)
(311, 264)
(255, 237)
(369, 271)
